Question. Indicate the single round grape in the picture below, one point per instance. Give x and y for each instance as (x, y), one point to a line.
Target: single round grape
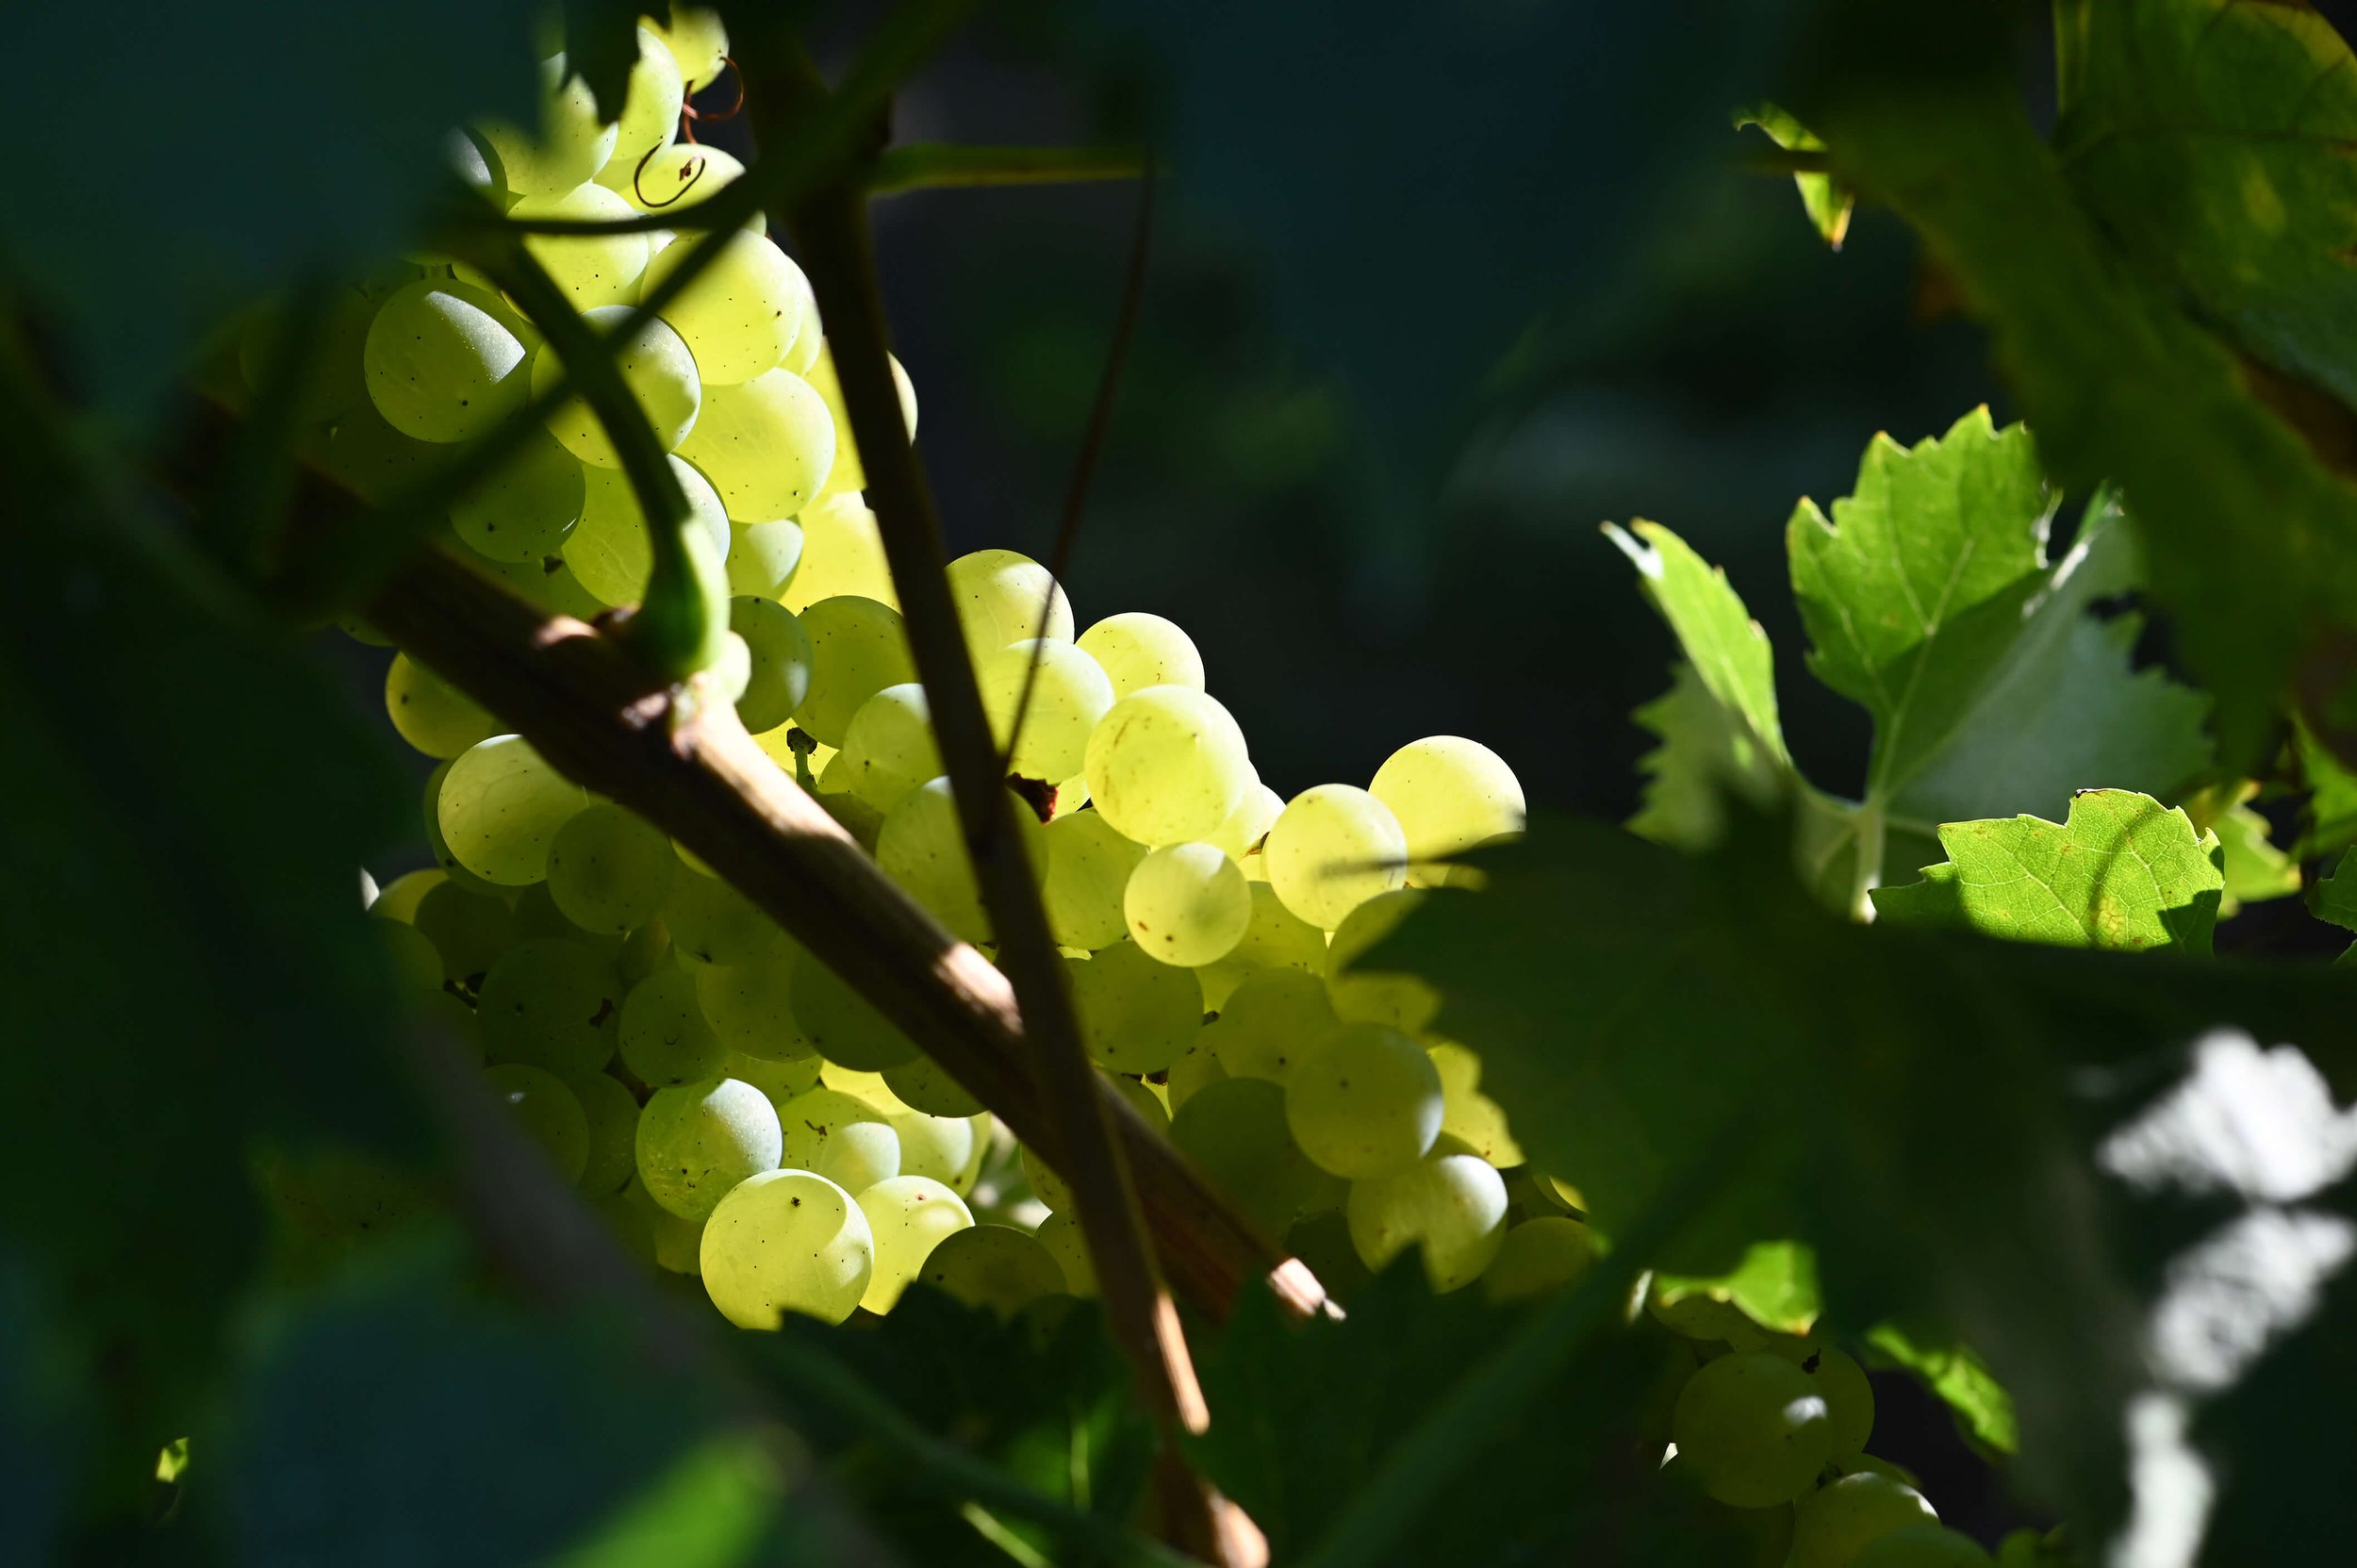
(443, 361)
(1187, 904)
(595, 271)
(925, 1086)
(660, 375)
(499, 808)
(1269, 1024)
(1832, 1524)
(470, 930)
(779, 677)
(994, 1266)
(536, 915)
(1539, 1257)
(786, 1241)
(439, 846)
(1069, 694)
(1248, 825)
(570, 146)
(869, 1086)
(1003, 598)
(857, 648)
(1754, 1426)
(527, 508)
(650, 117)
(1468, 1115)
(609, 870)
(751, 1005)
(1137, 650)
(1166, 765)
(1923, 1547)
(1234, 1131)
(1197, 1070)
(402, 896)
(732, 670)
(743, 311)
(889, 745)
(841, 1024)
(697, 1141)
(1089, 866)
(1363, 1101)
(783, 1081)
(764, 557)
(544, 1003)
(698, 42)
(1451, 1204)
(416, 961)
(909, 1217)
(1849, 1396)
(364, 453)
(766, 444)
(1703, 1317)
(1404, 1001)
(548, 1113)
(432, 714)
(611, 1113)
(1332, 850)
(922, 848)
(609, 550)
(933, 1145)
(1060, 1233)
(849, 473)
(1137, 1015)
(840, 1136)
(664, 1039)
(843, 556)
(711, 922)
(680, 177)
(1449, 794)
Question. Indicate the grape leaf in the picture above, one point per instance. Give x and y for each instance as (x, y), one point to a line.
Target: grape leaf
(1827, 202)
(1956, 1375)
(1727, 648)
(1775, 1284)
(2335, 899)
(2123, 871)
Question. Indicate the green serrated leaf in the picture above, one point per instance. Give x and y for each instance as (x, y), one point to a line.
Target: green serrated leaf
(1957, 1376)
(2331, 812)
(2335, 899)
(2256, 870)
(1828, 201)
(1774, 1285)
(1727, 650)
(2123, 871)
(1705, 753)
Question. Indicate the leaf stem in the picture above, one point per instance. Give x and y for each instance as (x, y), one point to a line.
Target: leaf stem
(942, 166)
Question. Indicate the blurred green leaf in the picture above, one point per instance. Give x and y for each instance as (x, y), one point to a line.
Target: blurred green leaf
(1775, 1284)
(1956, 1375)
(2335, 899)
(1827, 202)
(600, 46)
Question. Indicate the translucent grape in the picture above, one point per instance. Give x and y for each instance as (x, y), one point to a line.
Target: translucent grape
(1166, 764)
(857, 648)
(889, 745)
(841, 1025)
(849, 473)
(527, 508)
(594, 270)
(698, 1141)
(779, 675)
(1246, 826)
(571, 144)
(417, 964)
(661, 376)
(751, 1005)
(547, 584)
(1363, 1101)
(933, 1145)
(994, 1266)
(1332, 850)
(402, 896)
(544, 1003)
(783, 1081)
(1137, 1015)
(1538, 1258)
(650, 117)
(766, 444)
(1923, 1547)
(1449, 794)
(548, 1113)
(609, 550)
(1060, 1233)
(1069, 694)
(431, 715)
(923, 849)
(1269, 1023)
(1187, 904)
(743, 311)
(1234, 1131)
(1451, 1204)
(869, 1086)
(443, 361)
(1832, 1525)
(711, 922)
(610, 1111)
(764, 557)
(1753, 1428)
(608, 870)
(786, 1241)
(1089, 866)
(682, 175)
(841, 1137)
(698, 42)
(1137, 650)
(1849, 1396)
(536, 915)
(909, 1217)
(470, 930)
(1197, 1070)
(499, 808)
(369, 457)
(665, 1038)
(1003, 598)
(1470, 1116)
(926, 1087)
(842, 556)
(677, 1241)
(1404, 1001)
(1277, 938)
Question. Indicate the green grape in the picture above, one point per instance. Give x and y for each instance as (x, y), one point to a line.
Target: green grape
(1332, 850)
(433, 715)
(365, 453)
(841, 1025)
(937, 1147)
(1832, 1525)
(1089, 866)
(1270, 1023)
(666, 1041)
(1402, 1001)
(786, 1241)
(417, 962)
(697, 1141)
(1923, 1547)
(1449, 794)
(994, 1266)
(841, 1137)
(857, 648)
(711, 922)
(1166, 764)
(1539, 1257)
(764, 557)
(527, 509)
(909, 1217)
(1136, 651)
(1277, 939)
(1187, 904)
(780, 676)
(1702, 1317)
(595, 271)
(572, 146)
(470, 930)
(781, 1081)
(1234, 1131)
(661, 376)
(1060, 1233)
(402, 896)
(751, 1005)
(869, 1086)
(1004, 597)
(439, 847)
(543, 1003)
(536, 915)
(1197, 1070)
(925, 1087)
(1468, 1115)
(443, 361)
(1451, 1203)
(644, 951)
(547, 584)
(1069, 694)
(683, 175)
(650, 117)
(1849, 1396)
(922, 848)
(611, 1112)
(743, 311)
(849, 473)
(810, 343)
(1045, 1183)
(609, 550)
(889, 746)
(766, 444)
(1249, 823)
(676, 1242)
(1754, 1426)
(628, 1222)
(698, 44)
(1363, 1101)
(843, 556)
(546, 1110)
(1137, 1015)
(499, 808)
(609, 870)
